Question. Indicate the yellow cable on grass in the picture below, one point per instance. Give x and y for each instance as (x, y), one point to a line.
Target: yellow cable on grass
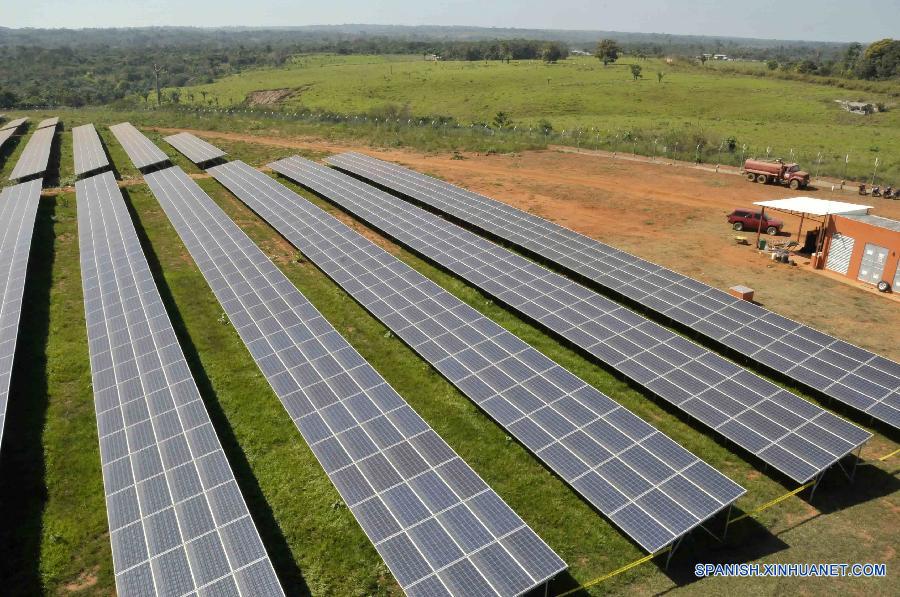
(647, 558)
(768, 505)
(886, 456)
(616, 572)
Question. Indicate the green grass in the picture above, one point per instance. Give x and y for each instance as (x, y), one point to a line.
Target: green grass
(52, 513)
(579, 93)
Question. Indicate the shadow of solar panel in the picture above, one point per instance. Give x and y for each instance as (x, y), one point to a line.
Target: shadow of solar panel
(538, 401)
(178, 523)
(357, 426)
(683, 383)
(744, 327)
(18, 210)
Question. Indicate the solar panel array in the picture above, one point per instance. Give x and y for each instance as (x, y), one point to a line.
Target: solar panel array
(793, 435)
(88, 150)
(440, 529)
(18, 209)
(649, 485)
(178, 523)
(36, 155)
(48, 122)
(196, 149)
(842, 371)
(14, 124)
(141, 151)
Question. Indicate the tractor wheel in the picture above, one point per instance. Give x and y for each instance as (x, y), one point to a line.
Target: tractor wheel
(771, 230)
(795, 184)
(761, 178)
(884, 286)
(738, 226)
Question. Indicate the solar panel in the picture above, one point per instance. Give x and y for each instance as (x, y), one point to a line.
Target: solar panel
(5, 136)
(438, 526)
(600, 448)
(849, 374)
(14, 124)
(197, 150)
(178, 522)
(36, 155)
(18, 209)
(141, 151)
(88, 150)
(793, 435)
(48, 122)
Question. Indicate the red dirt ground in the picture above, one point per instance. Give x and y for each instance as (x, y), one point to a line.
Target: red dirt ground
(673, 215)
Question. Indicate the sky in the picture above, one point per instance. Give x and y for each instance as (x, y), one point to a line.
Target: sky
(819, 20)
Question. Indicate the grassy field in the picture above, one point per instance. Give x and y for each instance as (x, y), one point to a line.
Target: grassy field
(689, 104)
(53, 537)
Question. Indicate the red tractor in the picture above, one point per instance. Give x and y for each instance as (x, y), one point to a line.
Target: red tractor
(776, 172)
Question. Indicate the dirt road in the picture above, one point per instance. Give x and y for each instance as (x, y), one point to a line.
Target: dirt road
(670, 215)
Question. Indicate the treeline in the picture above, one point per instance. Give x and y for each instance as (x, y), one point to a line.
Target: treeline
(89, 67)
(879, 61)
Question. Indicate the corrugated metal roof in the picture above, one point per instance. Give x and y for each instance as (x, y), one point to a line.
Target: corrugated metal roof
(877, 221)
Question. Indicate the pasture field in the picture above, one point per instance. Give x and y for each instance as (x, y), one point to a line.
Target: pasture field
(53, 536)
(689, 105)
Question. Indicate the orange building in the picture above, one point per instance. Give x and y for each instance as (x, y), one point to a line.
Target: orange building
(864, 248)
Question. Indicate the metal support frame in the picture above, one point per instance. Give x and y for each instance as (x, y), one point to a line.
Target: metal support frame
(727, 520)
(816, 485)
(672, 550)
(856, 463)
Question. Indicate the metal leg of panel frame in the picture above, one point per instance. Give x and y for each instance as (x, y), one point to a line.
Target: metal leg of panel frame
(856, 464)
(816, 485)
(672, 550)
(727, 521)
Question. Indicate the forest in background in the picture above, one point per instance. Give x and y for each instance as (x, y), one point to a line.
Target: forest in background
(65, 67)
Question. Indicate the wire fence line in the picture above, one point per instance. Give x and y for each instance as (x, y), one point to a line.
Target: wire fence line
(687, 146)
(697, 146)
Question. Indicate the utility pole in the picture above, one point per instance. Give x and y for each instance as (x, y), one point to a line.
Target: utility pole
(156, 70)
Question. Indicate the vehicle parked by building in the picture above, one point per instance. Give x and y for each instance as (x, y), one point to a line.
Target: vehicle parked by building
(748, 219)
(776, 171)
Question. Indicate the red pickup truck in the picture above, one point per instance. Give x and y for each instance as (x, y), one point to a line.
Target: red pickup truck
(745, 219)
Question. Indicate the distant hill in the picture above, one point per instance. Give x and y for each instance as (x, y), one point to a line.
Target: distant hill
(156, 36)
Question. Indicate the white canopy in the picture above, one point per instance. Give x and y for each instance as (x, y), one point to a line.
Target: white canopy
(816, 207)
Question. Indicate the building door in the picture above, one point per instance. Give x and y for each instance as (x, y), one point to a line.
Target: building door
(896, 286)
(839, 252)
(871, 269)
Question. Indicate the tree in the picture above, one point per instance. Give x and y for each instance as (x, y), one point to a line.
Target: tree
(881, 60)
(851, 57)
(607, 51)
(772, 64)
(553, 52)
(175, 96)
(203, 94)
(545, 126)
(156, 70)
(502, 120)
(659, 76)
(703, 59)
(636, 71)
(8, 99)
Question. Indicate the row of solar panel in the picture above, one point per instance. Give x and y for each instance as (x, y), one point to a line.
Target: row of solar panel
(654, 489)
(440, 529)
(795, 436)
(652, 504)
(846, 373)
